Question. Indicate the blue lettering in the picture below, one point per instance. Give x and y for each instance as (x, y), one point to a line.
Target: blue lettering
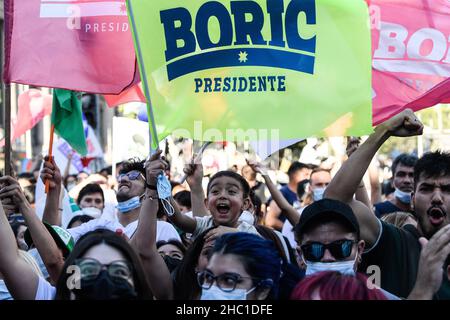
(183, 32)
(295, 41)
(217, 84)
(248, 28)
(271, 80)
(252, 84)
(242, 80)
(281, 83)
(206, 11)
(198, 84)
(226, 84)
(262, 84)
(275, 8)
(208, 83)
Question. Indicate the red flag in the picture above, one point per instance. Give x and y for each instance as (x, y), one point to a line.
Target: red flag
(82, 45)
(132, 94)
(411, 56)
(33, 106)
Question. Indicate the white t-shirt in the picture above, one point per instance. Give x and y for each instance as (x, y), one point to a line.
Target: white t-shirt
(164, 230)
(45, 291)
(4, 293)
(206, 222)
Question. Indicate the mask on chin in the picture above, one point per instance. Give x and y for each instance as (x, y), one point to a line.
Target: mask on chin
(129, 205)
(403, 197)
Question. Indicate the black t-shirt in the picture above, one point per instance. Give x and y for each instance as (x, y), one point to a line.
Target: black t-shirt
(397, 254)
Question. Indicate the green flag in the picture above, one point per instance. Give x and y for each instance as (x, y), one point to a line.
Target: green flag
(67, 118)
(231, 69)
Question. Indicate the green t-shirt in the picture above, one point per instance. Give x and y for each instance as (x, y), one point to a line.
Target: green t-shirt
(397, 254)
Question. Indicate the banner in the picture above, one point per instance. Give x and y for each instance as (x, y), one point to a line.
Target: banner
(77, 45)
(33, 107)
(240, 70)
(411, 56)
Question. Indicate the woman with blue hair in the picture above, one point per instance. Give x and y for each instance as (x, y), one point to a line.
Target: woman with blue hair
(242, 266)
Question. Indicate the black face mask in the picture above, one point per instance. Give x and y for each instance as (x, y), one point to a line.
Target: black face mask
(171, 263)
(105, 288)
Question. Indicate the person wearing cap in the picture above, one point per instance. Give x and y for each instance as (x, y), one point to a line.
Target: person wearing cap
(396, 252)
(328, 238)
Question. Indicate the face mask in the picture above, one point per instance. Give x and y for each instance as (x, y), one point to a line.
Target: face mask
(214, 293)
(92, 211)
(105, 288)
(344, 267)
(318, 194)
(164, 193)
(404, 197)
(130, 204)
(171, 263)
(247, 216)
(71, 185)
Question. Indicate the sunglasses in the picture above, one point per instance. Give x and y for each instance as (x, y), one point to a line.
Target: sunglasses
(340, 249)
(132, 175)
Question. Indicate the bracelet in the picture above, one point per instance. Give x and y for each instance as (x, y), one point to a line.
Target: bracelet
(60, 209)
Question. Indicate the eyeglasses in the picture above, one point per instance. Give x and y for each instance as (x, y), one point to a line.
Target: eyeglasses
(117, 270)
(340, 249)
(132, 175)
(226, 282)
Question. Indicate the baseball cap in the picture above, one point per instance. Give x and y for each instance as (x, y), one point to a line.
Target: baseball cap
(62, 237)
(327, 208)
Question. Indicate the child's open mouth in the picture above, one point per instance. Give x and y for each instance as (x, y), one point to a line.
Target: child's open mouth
(223, 208)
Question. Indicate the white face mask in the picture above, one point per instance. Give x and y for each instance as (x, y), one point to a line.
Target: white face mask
(318, 193)
(92, 211)
(404, 197)
(214, 293)
(344, 267)
(247, 216)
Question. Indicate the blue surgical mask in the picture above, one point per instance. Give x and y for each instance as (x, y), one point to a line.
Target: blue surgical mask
(318, 193)
(403, 197)
(214, 293)
(130, 204)
(344, 267)
(164, 193)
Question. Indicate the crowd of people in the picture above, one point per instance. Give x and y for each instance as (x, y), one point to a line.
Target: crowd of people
(321, 236)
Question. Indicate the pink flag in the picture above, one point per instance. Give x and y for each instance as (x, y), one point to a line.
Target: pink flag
(82, 45)
(132, 94)
(411, 56)
(33, 106)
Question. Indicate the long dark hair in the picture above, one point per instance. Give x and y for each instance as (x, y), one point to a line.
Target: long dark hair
(103, 236)
(186, 286)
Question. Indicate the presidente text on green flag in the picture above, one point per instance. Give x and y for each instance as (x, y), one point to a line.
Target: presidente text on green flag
(302, 67)
(68, 120)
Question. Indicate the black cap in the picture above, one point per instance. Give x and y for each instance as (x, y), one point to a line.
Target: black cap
(328, 208)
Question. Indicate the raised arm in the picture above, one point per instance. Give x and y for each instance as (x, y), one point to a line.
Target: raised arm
(194, 172)
(43, 241)
(144, 241)
(19, 277)
(361, 192)
(50, 172)
(291, 214)
(346, 181)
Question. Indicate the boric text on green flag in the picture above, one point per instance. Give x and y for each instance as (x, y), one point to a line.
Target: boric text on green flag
(302, 67)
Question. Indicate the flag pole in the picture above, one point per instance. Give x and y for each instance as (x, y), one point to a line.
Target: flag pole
(197, 158)
(152, 125)
(50, 154)
(7, 126)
